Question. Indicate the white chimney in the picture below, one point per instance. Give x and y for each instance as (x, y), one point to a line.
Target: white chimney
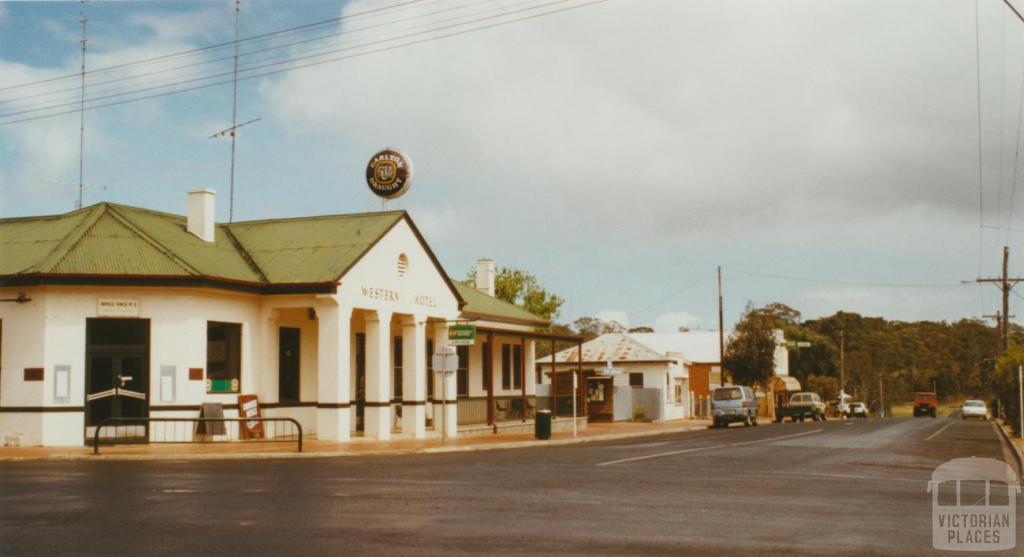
(200, 214)
(485, 276)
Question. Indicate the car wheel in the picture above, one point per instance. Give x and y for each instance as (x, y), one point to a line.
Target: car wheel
(753, 421)
(746, 421)
(824, 417)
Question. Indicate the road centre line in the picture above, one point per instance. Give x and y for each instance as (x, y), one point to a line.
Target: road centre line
(696, 449)
(662, 454)
(943, 428)
(777, 438)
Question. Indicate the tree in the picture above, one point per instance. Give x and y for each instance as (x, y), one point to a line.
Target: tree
(750, 352)
(642, 329)
(826, 387)
(521, 288)
(592, 327)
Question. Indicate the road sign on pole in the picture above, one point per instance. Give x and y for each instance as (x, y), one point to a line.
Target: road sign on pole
(462, 334)
(609, 370)
(445, 362)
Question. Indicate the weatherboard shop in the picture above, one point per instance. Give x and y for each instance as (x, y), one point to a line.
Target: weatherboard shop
(118, 311)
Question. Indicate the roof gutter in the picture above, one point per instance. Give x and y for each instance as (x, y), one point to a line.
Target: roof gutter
(189, 281)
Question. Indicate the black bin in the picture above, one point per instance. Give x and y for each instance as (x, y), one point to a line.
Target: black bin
(542, 425)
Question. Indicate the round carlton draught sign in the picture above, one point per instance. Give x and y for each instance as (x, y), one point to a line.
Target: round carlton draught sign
(389, 173)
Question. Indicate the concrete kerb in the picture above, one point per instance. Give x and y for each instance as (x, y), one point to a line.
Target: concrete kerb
(332, 454)
(1017, 451)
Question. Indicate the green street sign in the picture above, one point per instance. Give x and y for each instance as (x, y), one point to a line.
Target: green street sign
(461, 335)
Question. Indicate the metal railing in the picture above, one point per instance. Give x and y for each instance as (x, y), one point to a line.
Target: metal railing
(196, 430)
(506, 408)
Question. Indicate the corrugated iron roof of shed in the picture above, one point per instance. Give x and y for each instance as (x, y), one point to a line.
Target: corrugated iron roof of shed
(617, 346)
(480, 304)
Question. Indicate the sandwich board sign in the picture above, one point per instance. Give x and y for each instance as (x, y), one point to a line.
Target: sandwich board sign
(462, 334)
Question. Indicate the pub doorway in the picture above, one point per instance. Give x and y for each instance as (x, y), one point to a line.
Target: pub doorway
(288, 361)
(117, 377)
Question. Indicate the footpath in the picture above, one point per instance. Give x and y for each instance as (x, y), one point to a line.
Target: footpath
(313, 448)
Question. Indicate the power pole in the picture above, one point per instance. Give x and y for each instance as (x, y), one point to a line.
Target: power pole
(81, 112)
(881, 397)
(842, 366)
(1005, 284)
(721, 329)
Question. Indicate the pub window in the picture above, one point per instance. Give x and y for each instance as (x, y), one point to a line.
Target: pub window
(517, 367)
(506, 366)
(397, 388)
(223, 357)
(679, 390)
(636, 380)
(463, 373)
(430, 370)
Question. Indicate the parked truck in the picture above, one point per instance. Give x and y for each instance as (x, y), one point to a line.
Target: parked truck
(800, 407)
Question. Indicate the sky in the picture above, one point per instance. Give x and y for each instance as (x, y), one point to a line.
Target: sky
(824, 153)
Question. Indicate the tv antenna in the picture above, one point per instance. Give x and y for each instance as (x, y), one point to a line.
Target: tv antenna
(81, 188)
(234, 118)
(81, 112)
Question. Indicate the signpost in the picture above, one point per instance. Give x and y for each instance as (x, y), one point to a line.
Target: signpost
(609, 370)
(445, 362)
(389, 174)
(462, 334)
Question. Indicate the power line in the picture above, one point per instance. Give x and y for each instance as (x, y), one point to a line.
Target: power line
(673, 294)
(326, 61)
(272, 64)
(845, 282)
(347, 32)
(1016, 157)
(981, 180)
(216, 46)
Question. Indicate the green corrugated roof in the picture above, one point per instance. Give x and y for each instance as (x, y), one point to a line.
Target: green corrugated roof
(109, 239)
(482, 304)
(315, 249)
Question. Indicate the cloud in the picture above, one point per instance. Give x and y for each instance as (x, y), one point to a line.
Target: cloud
(671, 322)
(720, 122)
(617, 315)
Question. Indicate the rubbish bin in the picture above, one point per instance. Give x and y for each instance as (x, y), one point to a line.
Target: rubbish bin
(542, 425)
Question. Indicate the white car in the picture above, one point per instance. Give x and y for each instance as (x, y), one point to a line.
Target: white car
(858, 410)
(974, 409)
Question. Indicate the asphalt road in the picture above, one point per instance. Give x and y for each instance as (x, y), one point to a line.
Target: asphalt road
(833, 488)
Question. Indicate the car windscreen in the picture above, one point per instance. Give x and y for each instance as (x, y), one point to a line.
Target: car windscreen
(728, 394)
(975, 403)
(925, 397)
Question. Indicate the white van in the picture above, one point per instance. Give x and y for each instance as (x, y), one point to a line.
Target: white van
(733, 404)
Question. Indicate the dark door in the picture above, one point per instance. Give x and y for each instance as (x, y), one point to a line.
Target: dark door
(288, 365)
(360, 380)
(117, 372)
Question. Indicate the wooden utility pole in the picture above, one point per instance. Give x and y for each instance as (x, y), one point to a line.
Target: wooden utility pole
(842, 366)
(721, 329)
(1005, 284)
